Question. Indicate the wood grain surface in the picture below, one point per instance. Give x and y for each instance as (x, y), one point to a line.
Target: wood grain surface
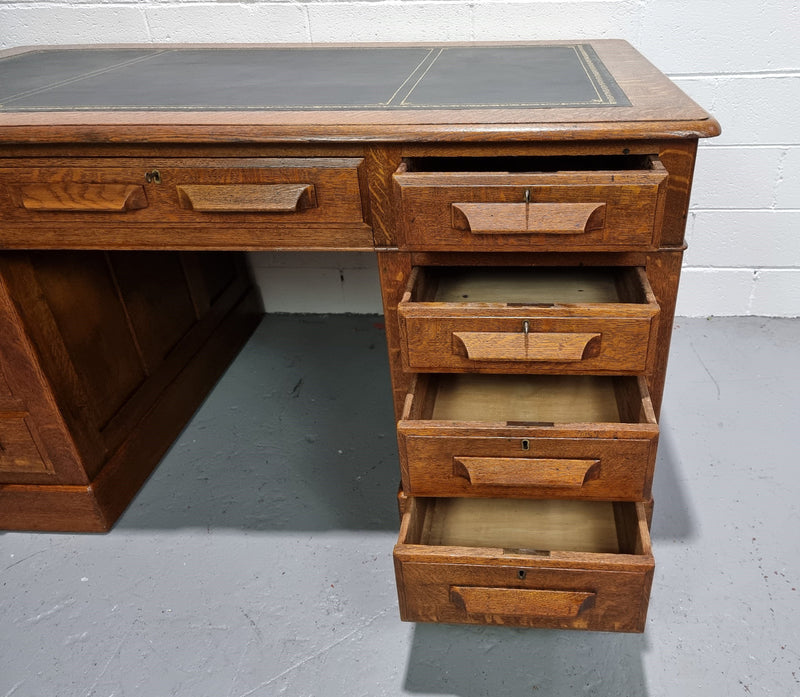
(107, 338)
(590, 466)
(493, 211)
(659, 109)
(430, 576)
(528, 319)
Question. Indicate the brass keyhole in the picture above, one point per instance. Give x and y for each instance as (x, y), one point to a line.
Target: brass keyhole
(153, 177)
(521, 574)
(526, 444)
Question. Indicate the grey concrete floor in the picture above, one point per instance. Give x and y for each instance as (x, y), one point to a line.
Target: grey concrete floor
(257, 558)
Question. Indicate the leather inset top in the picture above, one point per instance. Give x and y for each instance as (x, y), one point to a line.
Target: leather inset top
(311, 78)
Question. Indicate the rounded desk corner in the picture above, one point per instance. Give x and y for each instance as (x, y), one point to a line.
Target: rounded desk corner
(712, 128)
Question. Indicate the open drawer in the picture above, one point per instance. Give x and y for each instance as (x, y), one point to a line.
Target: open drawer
(533, 563)
(570, 437)
(528, 319)
(531, 203)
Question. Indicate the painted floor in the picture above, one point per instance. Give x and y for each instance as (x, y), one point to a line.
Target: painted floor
(257, 558)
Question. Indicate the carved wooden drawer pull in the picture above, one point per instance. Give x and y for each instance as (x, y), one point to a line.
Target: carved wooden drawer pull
(476, 600)
(247, 198)
(114, 198)
(526, 472)
(520, 346)
(528, 218)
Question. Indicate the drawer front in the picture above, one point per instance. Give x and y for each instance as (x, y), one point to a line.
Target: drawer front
(606, 591)
(521, 342)
(265, 195)
(518, 337)
(18, 450)
(547, 598)
(566, 468)
(485, 211)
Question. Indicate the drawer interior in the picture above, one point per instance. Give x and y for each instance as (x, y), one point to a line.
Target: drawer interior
(530, 164)
(541, 286)
(526, 526)
(530, 399)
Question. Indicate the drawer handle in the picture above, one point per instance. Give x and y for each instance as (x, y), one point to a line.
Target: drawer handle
(528, 218)
(526, 346)
(526, 472)
(476, 600)
(110, 198)
(247, 198)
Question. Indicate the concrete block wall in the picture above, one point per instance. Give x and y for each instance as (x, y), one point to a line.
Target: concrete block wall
(739, 60)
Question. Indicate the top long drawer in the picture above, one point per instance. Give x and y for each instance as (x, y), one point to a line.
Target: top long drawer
(587, 209)
(267, 195)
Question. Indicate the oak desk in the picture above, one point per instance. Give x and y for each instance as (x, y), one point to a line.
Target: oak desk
(527, 204)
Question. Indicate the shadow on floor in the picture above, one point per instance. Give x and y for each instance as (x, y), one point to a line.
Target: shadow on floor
(297, 435)
(672, 516)
(481, 661)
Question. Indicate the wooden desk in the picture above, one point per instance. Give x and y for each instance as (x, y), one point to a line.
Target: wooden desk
(527, 204)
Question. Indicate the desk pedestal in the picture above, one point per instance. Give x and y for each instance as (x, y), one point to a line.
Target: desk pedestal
(106, 356)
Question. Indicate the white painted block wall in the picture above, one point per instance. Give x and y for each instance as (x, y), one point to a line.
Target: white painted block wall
(740, 60)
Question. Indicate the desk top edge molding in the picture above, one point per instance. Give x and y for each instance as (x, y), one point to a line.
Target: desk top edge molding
(659, 110)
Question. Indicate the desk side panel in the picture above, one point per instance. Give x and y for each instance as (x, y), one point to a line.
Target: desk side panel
(127, 345)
